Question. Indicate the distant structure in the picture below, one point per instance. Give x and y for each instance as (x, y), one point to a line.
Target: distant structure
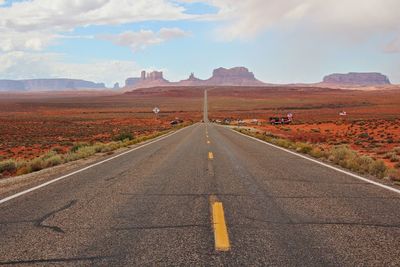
(48, 85)
(357, 78)
(237, 76)
(155, 75)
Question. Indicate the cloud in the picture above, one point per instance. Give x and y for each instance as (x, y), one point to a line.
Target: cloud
(31, 65)
(352, 20)
(144, 38)
(33, 25)
(35, 41)
(393, 46)
(64, 15)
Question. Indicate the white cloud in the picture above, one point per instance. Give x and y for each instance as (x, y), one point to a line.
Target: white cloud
(393, 46)
(32, 25)
(15, 41)
(66, 15)
(31, 65)
(352, 20)
(144, 38)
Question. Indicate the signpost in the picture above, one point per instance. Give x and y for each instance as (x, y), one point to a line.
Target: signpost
(156, 110)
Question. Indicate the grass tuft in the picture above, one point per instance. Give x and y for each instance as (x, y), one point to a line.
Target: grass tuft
(341, 155)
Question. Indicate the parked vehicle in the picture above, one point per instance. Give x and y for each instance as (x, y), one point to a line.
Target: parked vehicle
(280, 120)
(175, 122)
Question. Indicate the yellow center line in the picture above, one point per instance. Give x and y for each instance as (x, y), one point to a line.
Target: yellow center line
(221, 236)
(210, 155)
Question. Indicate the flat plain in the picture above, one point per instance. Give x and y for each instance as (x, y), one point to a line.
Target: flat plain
(31, 125)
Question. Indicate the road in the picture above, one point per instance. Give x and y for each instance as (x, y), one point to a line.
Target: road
(203, 196)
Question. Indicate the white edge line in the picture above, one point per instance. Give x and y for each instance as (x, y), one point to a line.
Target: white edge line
(89, 167)
(323, 164)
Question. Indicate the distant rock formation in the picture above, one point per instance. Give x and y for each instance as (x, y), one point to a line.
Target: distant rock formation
(154, 78)
(239, 76)
(48, 85)
(11, 85)
(132, 81)
(116, 86)
(354, 78)
(191, 81)
(233, 76)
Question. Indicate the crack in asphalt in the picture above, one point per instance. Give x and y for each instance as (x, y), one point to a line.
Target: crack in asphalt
(55, 260)
(40, 221)
(118, 175)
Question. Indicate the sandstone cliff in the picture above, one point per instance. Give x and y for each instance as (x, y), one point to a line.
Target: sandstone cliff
(48, 85)
(234, 76)
(238, 76)
(354, 78)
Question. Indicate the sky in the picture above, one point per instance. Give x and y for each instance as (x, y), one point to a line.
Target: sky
(281, 41)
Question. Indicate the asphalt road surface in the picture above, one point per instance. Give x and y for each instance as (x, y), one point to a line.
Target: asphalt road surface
(156, 206)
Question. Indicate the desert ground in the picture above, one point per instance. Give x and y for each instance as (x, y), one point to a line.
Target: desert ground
(34, 124)
(371, 126)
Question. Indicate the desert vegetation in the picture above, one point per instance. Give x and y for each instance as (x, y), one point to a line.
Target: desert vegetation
(369, 133)
(78, 151)
(37, 133)
(341, 155)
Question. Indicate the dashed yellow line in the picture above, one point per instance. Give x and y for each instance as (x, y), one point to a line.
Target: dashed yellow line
(221, 236)
(210, 155)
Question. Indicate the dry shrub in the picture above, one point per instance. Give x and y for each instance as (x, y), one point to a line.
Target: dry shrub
(53, 161)
(378, 168)
(8, 166)
(394, 175)
(36, 165)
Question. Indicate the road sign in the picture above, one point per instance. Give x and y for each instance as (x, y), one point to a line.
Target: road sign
(156, 110)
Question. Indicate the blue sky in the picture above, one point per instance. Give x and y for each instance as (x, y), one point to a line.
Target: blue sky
(281, 41)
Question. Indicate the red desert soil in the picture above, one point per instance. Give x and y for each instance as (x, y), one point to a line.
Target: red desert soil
(32, 124)
(372, 124)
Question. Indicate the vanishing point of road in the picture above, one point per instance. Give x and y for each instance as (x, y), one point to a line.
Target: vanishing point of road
(203, 196)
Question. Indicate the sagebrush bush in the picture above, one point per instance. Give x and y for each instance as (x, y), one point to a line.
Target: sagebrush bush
(341, 155)
(78, 151)
(378, 168)
(8, 166)
(394, 175)
(364, 163)
(317, 152)
(303, 148)
(394, 158)
(53, 161)
(78, 146)
(36, 165)
(123, 136)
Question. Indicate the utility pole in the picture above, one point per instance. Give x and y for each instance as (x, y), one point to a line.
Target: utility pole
(205, 109)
